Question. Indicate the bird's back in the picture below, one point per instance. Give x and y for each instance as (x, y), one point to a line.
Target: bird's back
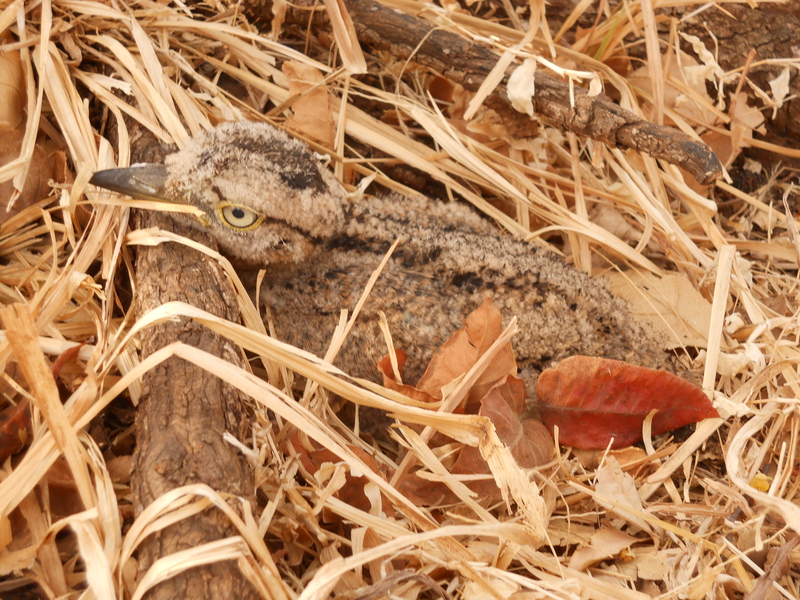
(449, 259)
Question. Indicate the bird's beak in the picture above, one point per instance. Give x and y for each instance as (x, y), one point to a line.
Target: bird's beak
(143, 181)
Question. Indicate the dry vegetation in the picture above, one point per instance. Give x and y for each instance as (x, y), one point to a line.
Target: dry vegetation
(692, 518)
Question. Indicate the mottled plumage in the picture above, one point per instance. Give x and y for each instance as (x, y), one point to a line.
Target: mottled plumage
(319, 250)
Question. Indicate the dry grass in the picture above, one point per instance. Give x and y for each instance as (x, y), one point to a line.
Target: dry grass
(701, 529)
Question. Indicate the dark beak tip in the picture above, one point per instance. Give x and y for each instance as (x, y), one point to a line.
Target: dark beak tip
(145, 182)
(101, 178)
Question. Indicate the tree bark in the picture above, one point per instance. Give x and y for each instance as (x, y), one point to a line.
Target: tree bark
(773, 31)
(465, 62)
(185, 411)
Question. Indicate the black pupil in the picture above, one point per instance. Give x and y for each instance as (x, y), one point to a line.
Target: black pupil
(238, 213)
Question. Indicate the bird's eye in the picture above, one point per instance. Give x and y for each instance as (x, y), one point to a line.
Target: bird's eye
(239, 217)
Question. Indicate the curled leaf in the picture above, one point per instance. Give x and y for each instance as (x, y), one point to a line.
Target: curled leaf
(457, 355)
(390, 381)
(497, 394)
(528, 439)
(354, 491)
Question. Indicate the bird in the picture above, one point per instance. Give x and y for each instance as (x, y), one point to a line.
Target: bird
(272, 204)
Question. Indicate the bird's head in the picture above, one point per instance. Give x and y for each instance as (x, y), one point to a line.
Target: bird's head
(264, 197)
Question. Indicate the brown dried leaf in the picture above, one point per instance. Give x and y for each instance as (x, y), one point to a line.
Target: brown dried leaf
(65, 357)
(671, 303)
(746, 120)
(497, 394)
(12, 86)
(617, 491)
(311, 110)
(36, 185)
(442, 88)
(604, 544)
(353, 492)
(64, 496)
(688, 71)
(457, 355)
(389, 381)
(527, 438)
(15, 428)
(591, 459)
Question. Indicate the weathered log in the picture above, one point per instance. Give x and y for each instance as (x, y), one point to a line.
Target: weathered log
(185, 411)
(465, 62)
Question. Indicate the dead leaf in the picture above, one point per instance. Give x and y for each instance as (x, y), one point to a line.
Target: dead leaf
(671, 303)
(612, 220)
(780, 89)
(120, 468)
(617, 491)
(12, 86)
(311, 110)
(36, 185)
(520, 87)
(746, 120)
(591, 459)
(15, 428)
(12, 118)
(389, 381)
(685, 69)
(65, 357)
(457, 355)
(64, 496)
(528, 439)
(442, 88)
(605, 544)
(497, 395)
(652, 566)
(594, 400)
(354, 491)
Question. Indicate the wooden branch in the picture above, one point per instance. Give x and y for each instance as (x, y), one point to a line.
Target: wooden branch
(406, 36)
(185, 411)
(468, 63)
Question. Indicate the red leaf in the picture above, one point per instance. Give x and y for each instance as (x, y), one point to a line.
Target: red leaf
(65, 357)
(15, 429)
(527, 438)
(353, 491)
(592, 400)
(389, 381)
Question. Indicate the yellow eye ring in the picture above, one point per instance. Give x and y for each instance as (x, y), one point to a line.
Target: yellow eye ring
(238, 217)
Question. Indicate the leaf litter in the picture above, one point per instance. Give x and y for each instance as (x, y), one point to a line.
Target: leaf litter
(702, 529)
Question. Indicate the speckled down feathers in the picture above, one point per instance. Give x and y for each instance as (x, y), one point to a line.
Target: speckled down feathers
(319, 251)
(264, 168)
